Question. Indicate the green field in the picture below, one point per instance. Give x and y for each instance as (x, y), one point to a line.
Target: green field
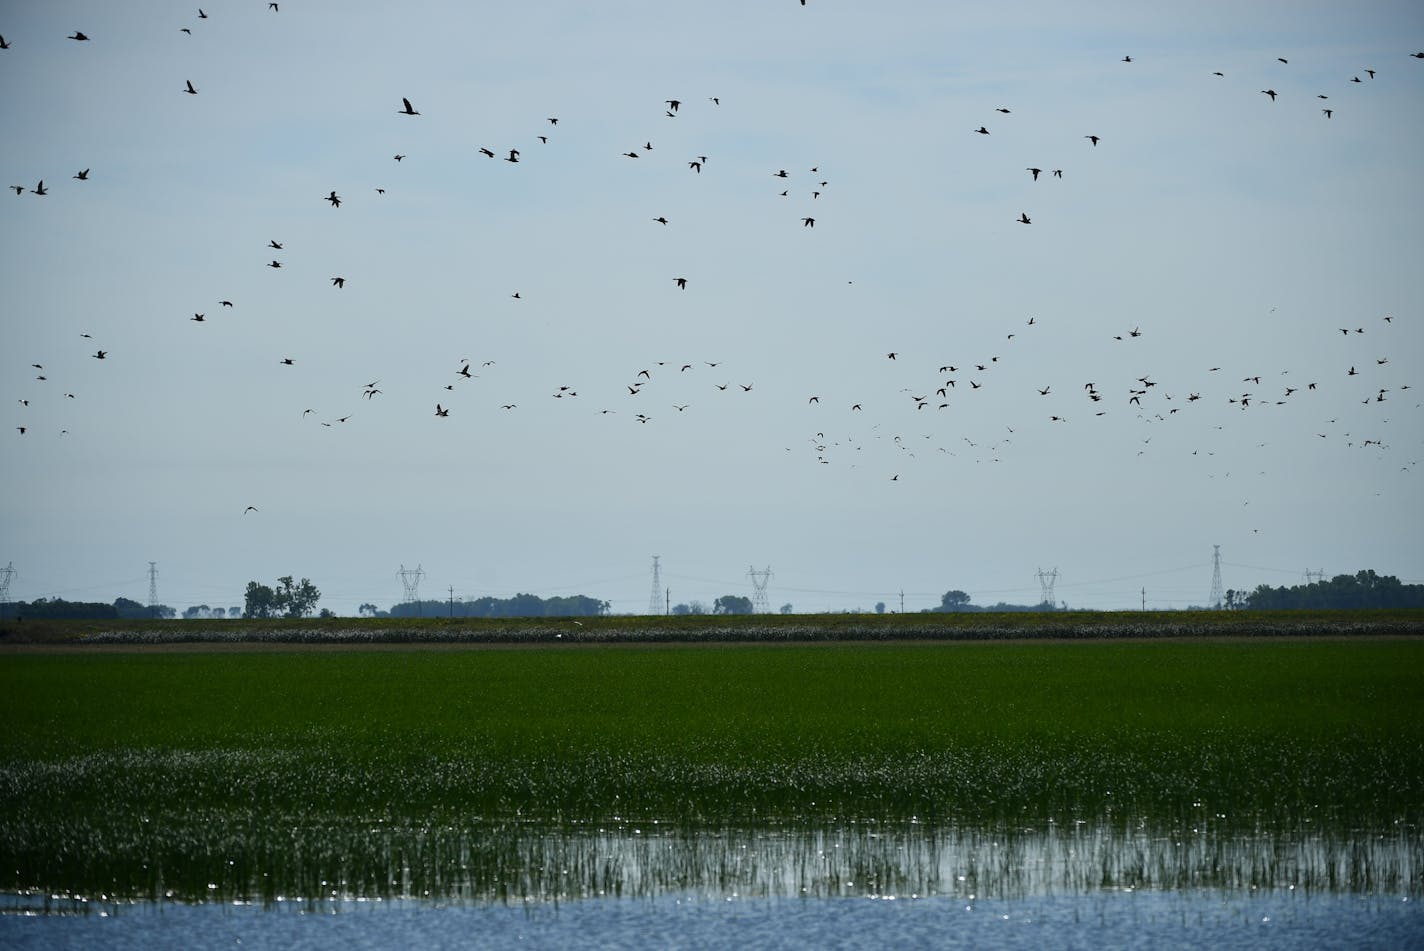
(114, 764)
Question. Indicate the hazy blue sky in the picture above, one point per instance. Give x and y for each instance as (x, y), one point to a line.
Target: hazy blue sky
(1237, 233)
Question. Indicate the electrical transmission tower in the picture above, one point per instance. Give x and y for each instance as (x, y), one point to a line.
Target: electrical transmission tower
(760, 604)
(1312, 577)
(410, 578)
(1216, 592)
(6, 575)
(656, 602)
(153, 589)
(1046, 580)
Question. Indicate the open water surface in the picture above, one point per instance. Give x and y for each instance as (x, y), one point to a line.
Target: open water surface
(865, 885)
(1115, 919)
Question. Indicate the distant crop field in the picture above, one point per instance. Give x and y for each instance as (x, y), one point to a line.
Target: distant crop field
(1058, 625)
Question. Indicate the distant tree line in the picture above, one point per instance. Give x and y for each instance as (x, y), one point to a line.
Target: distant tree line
(521, 605)
(956, 601)
(55, 608)
(1364, 589)
(726, 604)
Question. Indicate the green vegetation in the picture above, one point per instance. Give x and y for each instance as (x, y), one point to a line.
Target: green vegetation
(222, 763)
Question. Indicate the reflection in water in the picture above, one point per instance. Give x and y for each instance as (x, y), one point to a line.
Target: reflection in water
(507, 863)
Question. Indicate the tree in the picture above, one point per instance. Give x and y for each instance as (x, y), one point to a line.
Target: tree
(955, 600)
(879, 607)
(261, 601)
(296, 599)
(368, 610)
(787, 608)
(732, 604)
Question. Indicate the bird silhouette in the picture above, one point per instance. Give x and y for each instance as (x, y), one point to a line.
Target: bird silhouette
(338, 281)
(1093, 139)
(513, 156)
(288, 362)
(808, 222)
(275, 264)
(1024, 219)
(274, 244)
(681, 283)
(441, 411)
(78, 36)
(197, 317)
(982, 131)
(1034, 172)
(4, 45)
(334, 198)
(409, 110)
(39, 189)
(486, 152)
(660, 220)
(190, 90)
(101, 354)
(82, 176)
(250, 508)
(1272, 93)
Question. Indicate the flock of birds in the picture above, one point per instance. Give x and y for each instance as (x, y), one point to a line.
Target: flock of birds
(926, 387)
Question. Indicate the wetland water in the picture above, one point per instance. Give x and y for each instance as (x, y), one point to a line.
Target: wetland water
(891, 884)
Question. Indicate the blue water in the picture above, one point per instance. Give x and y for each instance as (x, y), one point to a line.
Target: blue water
(1259, 921)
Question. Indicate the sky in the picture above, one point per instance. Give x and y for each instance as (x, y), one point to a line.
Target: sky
(879, 381)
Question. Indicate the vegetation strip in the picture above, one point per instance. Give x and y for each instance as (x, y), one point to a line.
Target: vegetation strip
(118, 761)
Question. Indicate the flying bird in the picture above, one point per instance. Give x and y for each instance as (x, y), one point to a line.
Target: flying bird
(39, 189)
(808, 222)
(101, 354)
(78, 36)
(275, 264)
(197, 317)
(1034, 172)
(250, 508)
(982, 131)
(1093, 139)
(1024, 219)
(338, 282)
(334, 198)
(82, 176)
(513, 156)
(441, 411)
(681, 283)
(225, 303)
(190, 90)
(409, 110)
(274, 244)
(1272, 93)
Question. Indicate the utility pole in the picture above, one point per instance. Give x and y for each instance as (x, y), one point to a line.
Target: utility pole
(452, 600)
(1144, 598)
(667, 602)
(902, 600)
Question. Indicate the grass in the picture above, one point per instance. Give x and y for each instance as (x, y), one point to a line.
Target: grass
(119, 763)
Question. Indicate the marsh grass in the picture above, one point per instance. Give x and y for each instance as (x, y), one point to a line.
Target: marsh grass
(495, 774)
